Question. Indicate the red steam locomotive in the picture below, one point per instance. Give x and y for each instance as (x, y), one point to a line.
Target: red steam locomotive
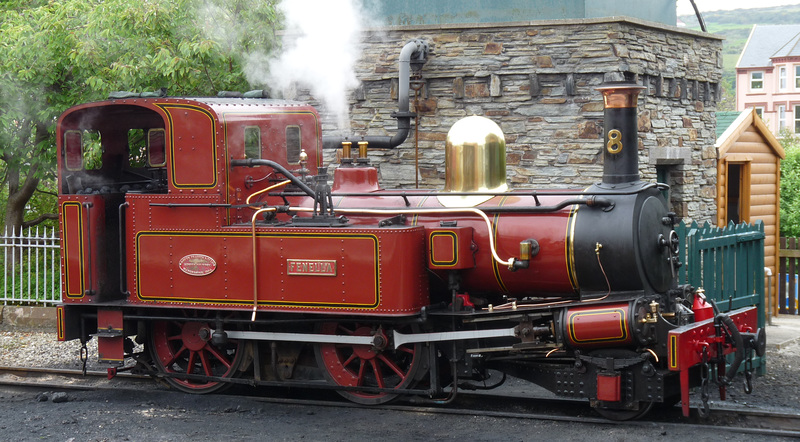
(206, 228)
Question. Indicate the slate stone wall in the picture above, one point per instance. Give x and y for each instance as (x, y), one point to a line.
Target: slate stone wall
(537, 80)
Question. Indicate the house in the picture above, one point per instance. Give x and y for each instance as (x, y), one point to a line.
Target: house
(748, 179)
(768, 76)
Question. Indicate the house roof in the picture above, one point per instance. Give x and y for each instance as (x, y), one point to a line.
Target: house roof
(768, 41)
(790, 49)
(735, 127)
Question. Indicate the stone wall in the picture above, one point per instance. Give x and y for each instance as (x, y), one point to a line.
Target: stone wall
(537, 80)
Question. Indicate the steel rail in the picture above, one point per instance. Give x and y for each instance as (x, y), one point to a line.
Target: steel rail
(784, 424)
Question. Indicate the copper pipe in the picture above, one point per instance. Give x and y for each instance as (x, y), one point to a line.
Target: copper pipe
(274, 186)
(509, 263)
(255, 258)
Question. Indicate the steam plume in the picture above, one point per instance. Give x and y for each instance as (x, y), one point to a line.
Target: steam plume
(321, 46)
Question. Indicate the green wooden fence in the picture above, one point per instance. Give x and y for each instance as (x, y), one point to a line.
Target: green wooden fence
(728, 263)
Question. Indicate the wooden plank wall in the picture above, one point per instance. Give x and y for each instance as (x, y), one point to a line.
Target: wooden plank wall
(764, 166)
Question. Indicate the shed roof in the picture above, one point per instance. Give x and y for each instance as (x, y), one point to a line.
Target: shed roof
(725, 119)
(739, 124)
(768, 41)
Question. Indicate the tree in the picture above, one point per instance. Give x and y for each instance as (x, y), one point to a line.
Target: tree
(57, 53)
(790, 182)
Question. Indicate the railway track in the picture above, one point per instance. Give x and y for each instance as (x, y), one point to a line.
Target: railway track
(725, 419)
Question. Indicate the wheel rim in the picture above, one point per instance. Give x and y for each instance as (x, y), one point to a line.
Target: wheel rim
(367, 366)
(179, 347)
(616, 414)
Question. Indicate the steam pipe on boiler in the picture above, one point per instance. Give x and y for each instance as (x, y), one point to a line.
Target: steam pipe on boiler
(416, 51)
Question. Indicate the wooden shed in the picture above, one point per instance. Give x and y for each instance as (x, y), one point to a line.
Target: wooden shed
(748, 179)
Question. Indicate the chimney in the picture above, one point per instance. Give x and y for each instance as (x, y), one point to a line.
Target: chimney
(621, 140)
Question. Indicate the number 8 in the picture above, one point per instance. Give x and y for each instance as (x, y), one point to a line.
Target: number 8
(614, 145)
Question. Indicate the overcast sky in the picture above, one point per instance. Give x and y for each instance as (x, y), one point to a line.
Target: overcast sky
(685, 6)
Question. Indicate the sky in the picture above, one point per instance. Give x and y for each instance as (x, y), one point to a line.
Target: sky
(685, 6)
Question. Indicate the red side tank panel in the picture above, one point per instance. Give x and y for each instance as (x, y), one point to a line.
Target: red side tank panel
(358, 270)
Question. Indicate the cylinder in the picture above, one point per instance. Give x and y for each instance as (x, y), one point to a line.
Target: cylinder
(621, 148)
(597, 326)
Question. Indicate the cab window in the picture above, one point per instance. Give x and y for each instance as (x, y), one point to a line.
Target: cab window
(252, 142)
(293, 145)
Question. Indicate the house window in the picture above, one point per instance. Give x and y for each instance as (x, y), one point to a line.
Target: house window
(797, 77)
(757, 80)
(781, 117)
(782, 78)
(797, 119)
(760, 111)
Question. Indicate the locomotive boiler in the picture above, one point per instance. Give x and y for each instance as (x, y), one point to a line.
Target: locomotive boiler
(208, 230)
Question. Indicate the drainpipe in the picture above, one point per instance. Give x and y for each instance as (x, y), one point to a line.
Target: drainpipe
(415, 51)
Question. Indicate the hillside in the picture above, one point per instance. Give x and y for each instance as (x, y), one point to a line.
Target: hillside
(735, 27)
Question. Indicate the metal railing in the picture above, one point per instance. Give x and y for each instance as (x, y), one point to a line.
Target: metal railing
(788, 268)
(31, 267)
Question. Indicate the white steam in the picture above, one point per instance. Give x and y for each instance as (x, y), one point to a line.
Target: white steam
(321, 43)
(321, 46)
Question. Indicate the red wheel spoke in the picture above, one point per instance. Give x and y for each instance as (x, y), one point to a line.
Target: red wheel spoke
(378, 376)
(345, 330)
(389, 363)
(406, 350)
(190, 364)
(175, 357)
(361, 370)
(349, 360)
(220, 356)
(206, 363)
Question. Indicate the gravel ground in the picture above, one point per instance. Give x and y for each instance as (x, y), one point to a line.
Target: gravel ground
(779, 389)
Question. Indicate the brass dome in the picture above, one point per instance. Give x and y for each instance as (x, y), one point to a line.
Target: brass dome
(475, 160)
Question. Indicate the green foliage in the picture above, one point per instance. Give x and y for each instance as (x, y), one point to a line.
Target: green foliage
(58, 53)
(790, 183)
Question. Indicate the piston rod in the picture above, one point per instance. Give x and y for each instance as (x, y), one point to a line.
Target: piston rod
(399, 338)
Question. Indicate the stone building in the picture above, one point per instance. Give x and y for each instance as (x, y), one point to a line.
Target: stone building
(537, 80)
